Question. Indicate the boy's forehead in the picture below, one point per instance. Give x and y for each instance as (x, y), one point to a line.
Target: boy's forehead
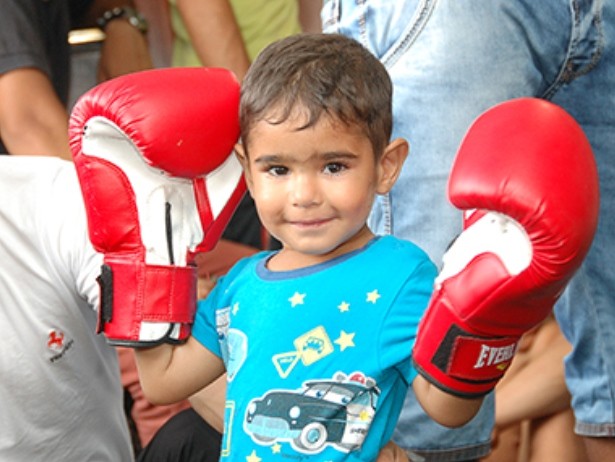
(291, 137)
(297, 126)
(298, 122)
(300, 117)
(298, 114)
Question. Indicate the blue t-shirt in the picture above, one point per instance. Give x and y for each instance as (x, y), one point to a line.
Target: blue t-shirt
(318, 359)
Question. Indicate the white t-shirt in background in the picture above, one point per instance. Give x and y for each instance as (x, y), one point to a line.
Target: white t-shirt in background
(60, 391)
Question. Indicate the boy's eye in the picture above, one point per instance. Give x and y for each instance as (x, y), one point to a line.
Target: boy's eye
(277, 170)
(334, 167)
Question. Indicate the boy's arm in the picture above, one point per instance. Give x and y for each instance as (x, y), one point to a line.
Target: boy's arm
(170, 373)
(526, 177)
(445, 408)
(209, 403)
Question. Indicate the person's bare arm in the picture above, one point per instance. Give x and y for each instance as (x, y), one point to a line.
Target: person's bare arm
(170, 373)
(33, 120)
(309, 15)
(209, 403)
(215, 34)
(444, 408)
(98, 7)
(125, 48)
(123, 51)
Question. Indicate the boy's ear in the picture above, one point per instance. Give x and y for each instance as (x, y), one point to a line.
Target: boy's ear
(243, 159)
(390, 164)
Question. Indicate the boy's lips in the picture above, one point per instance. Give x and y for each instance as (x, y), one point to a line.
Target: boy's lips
(312, 223)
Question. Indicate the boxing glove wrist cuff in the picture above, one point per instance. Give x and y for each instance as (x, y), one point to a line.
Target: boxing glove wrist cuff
(458, 361)
(138, 300)
(468, 366)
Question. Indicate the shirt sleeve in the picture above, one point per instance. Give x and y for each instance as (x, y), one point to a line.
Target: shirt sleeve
(208, 319)
(82, 264)
(401, 323)
(212, 319)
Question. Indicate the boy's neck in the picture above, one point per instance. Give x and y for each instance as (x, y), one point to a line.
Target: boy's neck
(288, 259)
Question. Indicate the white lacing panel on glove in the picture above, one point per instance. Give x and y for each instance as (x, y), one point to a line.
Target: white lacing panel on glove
(493, 233)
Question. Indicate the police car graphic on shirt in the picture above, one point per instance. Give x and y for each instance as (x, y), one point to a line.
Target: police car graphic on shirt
(335, 412)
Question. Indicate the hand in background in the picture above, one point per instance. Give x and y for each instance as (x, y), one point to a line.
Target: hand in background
(392, 453)
(124, 50)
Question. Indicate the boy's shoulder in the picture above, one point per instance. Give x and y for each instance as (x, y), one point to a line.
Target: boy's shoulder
(396, 255)
(397, 246)
(386, 257)
(246, 262)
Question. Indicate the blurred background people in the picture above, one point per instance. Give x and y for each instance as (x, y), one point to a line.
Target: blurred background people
(35, 60)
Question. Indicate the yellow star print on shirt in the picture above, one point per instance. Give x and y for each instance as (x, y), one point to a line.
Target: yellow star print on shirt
(253, 457)
(296, 299)
(373, 296)
(345, 340)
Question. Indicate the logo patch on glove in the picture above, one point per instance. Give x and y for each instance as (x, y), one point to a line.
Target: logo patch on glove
(473, 358)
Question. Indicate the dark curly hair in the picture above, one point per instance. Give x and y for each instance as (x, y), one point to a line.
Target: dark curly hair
(319, 74)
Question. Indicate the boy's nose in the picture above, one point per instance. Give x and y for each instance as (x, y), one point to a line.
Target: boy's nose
(304, 191)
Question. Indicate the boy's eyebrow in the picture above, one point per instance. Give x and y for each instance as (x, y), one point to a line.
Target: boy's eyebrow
(329, 155)
(338, 155)
(269, 159)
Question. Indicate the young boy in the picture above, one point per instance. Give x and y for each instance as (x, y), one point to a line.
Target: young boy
(316, 337)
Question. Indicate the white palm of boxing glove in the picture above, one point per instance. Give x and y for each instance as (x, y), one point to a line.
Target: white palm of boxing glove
(491, 232)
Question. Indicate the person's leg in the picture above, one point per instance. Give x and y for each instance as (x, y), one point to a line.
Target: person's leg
(449, 61)
(531, 392)
(506, 445)
(552, 438)
(534, 386)
(599, 449)
(586, 313)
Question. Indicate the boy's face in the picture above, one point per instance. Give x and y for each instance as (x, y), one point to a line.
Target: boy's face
(314, 188)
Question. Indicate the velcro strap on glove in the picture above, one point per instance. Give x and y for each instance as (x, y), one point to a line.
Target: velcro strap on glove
(143, 293)
(468, 365)
(470, 357)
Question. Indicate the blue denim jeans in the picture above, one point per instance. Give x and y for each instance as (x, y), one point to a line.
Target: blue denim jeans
(449, 61)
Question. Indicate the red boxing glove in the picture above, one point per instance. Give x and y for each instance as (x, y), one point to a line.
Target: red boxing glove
(526, 177)
(154, 155)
